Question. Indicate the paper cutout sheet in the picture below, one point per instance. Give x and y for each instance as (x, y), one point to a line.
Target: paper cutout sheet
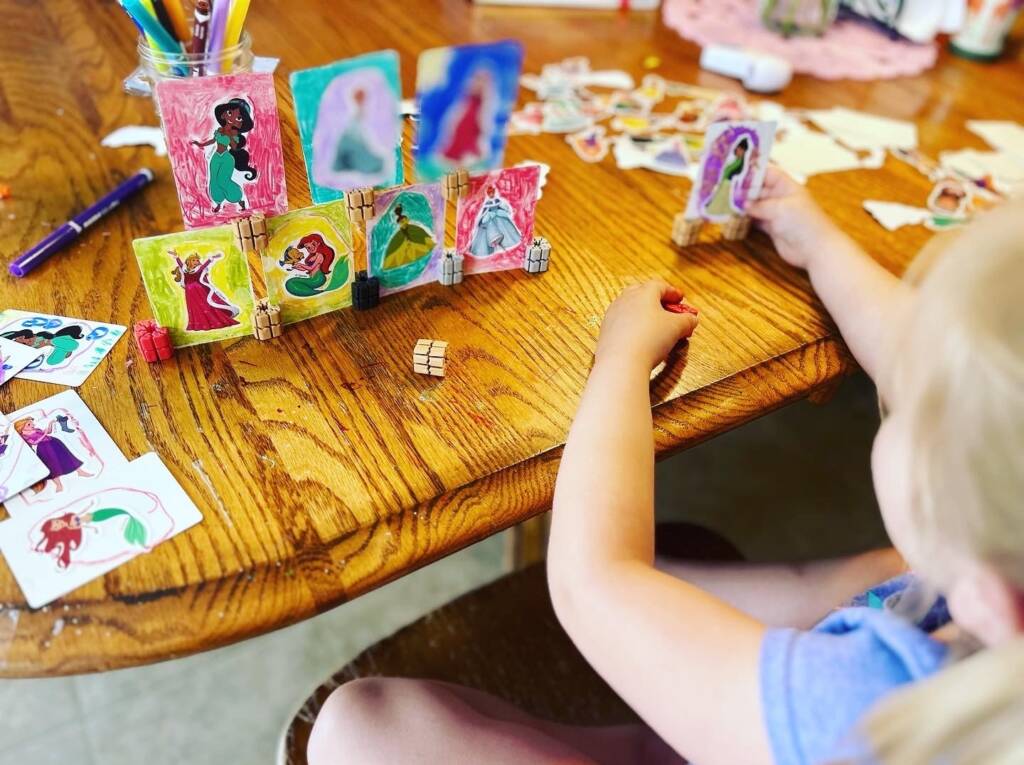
(134, 509)
(348, 115)
(70, 348)
(224, 143)
(198, 284)
(14, 357)
(308, 264)
(466, 94)
(494, 221)
(405, 239)
(74, 448)
(19, 466)
(731, 170)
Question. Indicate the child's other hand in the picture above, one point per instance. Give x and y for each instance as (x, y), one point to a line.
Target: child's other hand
(790, 216)
(637, 329)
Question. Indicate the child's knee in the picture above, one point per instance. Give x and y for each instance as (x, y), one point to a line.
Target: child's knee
(347, 722)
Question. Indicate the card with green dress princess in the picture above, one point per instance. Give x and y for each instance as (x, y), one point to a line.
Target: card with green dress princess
(731, 170)
(405, 239)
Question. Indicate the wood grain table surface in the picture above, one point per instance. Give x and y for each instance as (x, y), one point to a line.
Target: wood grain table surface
(325, 467)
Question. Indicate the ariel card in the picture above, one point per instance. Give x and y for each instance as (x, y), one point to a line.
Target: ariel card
(405, 238)
(466, 94)
(73, 447)
(19, 466)
(14, 357)
(349, 123)
(731, 170)
(494, 221)
(308, 261)
(66, 350)
(224, 143)
(198, 284)
(130, 512)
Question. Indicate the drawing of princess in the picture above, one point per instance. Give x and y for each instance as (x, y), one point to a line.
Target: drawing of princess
(721, 200)
(495, 229)
(410, 243)
(63, 535)
(207, 307)
(53, 453)
(354, 153)
(61, 343)
(312, 256)
(467, 142)
(229, 154)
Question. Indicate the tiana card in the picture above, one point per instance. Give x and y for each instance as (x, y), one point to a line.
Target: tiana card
(308, 261)
(466, 95)
(405, 239)
(348, 115)
(494, 223)
(731, 170)
(67, 350)
(198, 284)
(130, 512)
(224, 143)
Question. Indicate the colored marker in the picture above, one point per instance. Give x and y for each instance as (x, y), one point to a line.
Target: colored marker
(215, 38)
(200, 31)
(68, 232)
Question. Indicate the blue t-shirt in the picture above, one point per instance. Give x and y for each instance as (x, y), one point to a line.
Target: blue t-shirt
(816, 685)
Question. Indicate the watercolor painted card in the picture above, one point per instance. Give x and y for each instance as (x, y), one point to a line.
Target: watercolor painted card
(731, 170)
(224, 142)
(466, 95)
(19, 465)
(14, 357)
(349, 123)
(130, 512)
(67, 350)
(198, 285)
(308, 263)
(494, 221)
(72, 445)
(405, 238)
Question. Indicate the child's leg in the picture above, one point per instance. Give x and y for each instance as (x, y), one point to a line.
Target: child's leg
(415, 722)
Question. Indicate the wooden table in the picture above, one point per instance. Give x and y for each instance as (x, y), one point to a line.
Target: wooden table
(323, 465)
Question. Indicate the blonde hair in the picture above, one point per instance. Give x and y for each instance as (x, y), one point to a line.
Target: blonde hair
(958, 371)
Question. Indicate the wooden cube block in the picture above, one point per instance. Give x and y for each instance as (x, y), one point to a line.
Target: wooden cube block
(365, 291)
(685, 232)
(537, 256)
(451, 268)
(456, 185)
(360, 204)
(266, 320)
(736, 228)
(428, 357)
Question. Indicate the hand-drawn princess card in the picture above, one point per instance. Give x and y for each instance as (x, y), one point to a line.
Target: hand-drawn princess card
(348, 115)
(731, 170)
(308, 261)
(494, 221)
(405, 238)
(224, 143)
(198, 284)
(466, 94)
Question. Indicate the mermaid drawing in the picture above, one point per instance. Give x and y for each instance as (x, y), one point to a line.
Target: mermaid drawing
(721, 201)
(63, 535)
(312, 256)
(235, 120)
(408, 244)
(495, 229)
(207, 307)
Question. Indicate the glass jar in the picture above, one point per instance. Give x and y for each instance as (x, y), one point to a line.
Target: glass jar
(156, 65)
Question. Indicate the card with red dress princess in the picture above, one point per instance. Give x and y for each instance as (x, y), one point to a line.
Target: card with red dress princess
(466, 94)
(198, 284)
(224, 143)
(494, 221)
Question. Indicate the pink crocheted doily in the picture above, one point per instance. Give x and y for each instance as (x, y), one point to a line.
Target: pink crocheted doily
(849, 50)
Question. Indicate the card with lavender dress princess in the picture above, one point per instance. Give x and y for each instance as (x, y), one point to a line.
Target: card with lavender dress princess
(731, 170)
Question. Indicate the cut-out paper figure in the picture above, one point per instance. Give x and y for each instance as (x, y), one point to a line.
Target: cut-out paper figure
(313, 257)
(53, 452)
(721, 202)
(207, 307)
(59, 345)
(731, 170)
(229, 153)
(63, 535)
(495, 229)
(410, 243)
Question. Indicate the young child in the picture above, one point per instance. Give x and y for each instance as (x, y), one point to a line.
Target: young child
(724, 663)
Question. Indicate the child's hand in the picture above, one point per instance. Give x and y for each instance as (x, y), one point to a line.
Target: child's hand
(637, 329)
(798, 227)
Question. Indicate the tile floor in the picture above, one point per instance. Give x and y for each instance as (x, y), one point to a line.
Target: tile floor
(794, 484)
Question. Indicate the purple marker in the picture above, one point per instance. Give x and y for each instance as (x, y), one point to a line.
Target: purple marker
(67, 233)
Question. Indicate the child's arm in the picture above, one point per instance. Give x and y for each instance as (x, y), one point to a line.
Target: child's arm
(686, 661)
(864, 299)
